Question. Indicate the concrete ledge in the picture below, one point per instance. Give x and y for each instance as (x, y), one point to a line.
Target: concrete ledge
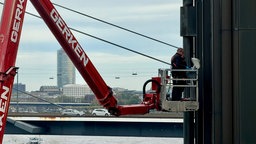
(26, 126)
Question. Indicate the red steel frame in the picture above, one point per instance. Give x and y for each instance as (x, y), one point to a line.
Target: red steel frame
(10, 30)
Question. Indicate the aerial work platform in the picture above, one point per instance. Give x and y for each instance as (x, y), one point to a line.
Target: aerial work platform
(189, 102)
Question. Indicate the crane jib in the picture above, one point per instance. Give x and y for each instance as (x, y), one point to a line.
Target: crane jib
(69, 36)
(75, 52)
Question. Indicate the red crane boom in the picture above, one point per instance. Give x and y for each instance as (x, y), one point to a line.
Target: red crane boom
(83, 64)
(10, 30)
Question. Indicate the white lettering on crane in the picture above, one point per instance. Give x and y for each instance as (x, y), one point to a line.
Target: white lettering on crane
(69, 36)
(3, 104)
(17, 21)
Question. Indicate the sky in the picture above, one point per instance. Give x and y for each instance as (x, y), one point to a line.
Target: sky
(37, 54)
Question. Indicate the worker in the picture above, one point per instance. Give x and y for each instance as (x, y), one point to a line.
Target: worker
(178, 62)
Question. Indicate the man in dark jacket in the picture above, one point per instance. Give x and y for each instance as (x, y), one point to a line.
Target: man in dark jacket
(178, 62)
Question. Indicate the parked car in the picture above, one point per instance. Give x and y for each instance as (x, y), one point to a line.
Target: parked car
(71, 112)
(100, 112)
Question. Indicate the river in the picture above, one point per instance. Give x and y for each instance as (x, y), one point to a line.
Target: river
(57, 139)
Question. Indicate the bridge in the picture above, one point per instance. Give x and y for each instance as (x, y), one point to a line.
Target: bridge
(44, 104)
(52, 123)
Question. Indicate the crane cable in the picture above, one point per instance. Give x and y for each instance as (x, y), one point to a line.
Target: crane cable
(115, 25)
(121, 46)
(47, 101)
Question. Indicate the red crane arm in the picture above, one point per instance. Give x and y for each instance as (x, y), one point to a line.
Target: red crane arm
(81, 61)
(10, 30)
(75, 52)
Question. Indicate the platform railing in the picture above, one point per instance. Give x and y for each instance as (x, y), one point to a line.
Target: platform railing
(189, 102)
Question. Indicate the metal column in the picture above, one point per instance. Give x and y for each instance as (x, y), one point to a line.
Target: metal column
(203, 117)
(188, 31)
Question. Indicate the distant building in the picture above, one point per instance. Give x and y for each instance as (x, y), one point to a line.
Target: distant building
(76, 90)
(50, 90)
(65, 69)
(18, 87)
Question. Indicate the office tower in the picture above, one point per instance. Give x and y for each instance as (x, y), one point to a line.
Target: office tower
(65, 69)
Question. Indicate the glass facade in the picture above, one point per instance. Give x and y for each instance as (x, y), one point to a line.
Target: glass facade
(65, 69)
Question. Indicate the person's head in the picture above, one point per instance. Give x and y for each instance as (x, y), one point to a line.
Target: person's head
(180, 51)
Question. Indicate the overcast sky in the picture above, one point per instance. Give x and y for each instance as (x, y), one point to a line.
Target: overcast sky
(37, 54)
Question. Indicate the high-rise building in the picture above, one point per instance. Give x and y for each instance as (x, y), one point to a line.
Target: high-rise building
(65, 69)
